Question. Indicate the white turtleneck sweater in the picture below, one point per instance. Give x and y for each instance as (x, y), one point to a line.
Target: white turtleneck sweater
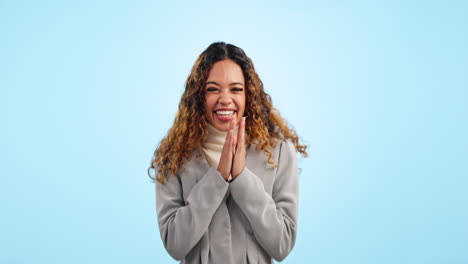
(213, 145)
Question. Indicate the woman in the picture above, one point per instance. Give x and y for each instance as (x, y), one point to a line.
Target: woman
(227, 184)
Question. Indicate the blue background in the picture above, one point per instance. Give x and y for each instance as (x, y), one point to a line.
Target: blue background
(377, 90)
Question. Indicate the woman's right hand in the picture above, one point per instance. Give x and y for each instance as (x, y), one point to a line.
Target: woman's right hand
(227, 153)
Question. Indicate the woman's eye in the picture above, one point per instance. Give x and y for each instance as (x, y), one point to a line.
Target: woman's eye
(237, 89)
(211, 89)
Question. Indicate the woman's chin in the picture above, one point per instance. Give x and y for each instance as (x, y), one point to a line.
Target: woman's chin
(222, 127)
(222, 123)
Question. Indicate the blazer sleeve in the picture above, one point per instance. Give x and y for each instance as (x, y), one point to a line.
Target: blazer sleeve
(183, 223)
(273, 218)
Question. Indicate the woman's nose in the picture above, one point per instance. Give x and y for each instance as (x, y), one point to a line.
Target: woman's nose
(225, 98)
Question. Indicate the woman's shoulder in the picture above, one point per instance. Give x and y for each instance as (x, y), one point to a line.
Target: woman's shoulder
(288, 143)
(277, 145)
(286, 148)
(284, 144)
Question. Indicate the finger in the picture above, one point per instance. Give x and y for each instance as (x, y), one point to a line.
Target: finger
(227, 136)
(231, 131)
(231, 124)
(225, 162)
(241, 135)
(242, 129)
(234, 135)
(226, 148)
(233, 142)
(229, 141)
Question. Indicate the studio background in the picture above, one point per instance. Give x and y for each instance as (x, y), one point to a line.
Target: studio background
(378, 91)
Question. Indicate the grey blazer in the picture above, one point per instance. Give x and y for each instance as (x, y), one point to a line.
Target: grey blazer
(204, 219)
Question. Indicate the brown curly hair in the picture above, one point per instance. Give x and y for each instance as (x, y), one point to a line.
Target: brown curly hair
(264, 125)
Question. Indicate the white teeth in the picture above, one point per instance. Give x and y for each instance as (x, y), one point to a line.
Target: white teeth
(224, 112)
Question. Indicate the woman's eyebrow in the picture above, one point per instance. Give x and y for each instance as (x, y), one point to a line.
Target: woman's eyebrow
(211, 82)
(234, 83)
(237, 83)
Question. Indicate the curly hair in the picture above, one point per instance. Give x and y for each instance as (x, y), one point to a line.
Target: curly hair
(264, 125)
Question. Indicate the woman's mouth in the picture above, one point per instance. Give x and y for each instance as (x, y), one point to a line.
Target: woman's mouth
(225, 115)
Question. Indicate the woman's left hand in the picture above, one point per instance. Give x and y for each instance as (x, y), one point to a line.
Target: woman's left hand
(238, 162)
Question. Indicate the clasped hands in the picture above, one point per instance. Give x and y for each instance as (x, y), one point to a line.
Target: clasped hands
(232, 159)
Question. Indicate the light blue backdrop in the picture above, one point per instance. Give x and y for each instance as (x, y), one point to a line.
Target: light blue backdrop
(377, 90)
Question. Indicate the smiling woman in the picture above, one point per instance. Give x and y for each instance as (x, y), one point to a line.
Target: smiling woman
(224, 96)
(226, 173)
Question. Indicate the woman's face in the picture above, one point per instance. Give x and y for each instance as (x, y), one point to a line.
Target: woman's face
(224, 94)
